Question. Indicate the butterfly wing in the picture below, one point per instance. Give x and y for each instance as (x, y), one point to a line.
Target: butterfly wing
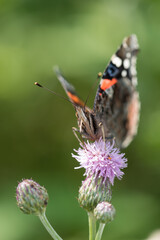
(116, 103)
(69, 89)
(84, 114)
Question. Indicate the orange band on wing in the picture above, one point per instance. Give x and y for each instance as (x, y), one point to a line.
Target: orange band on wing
(107, 83)
(75, 99)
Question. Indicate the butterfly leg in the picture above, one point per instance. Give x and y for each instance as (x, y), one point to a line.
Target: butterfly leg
(103, 133)
(75, 130)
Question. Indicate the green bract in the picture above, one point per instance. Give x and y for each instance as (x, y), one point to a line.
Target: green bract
(104, 212)
(31, 197)
(94, 191)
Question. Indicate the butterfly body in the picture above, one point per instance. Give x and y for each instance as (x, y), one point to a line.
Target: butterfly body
(116, 107)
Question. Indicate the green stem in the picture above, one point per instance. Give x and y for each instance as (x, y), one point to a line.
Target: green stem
(100, 231)
(48, 227)
(92, 226)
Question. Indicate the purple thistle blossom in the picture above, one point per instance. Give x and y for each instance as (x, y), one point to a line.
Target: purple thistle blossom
(101, 159)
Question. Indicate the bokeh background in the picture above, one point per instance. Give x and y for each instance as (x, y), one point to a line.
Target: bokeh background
(36, 139)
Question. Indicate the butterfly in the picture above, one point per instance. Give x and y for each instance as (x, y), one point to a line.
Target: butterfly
(116, 108)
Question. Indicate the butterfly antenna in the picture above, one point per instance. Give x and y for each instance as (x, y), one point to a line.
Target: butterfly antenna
(39, 85)
(93, 86)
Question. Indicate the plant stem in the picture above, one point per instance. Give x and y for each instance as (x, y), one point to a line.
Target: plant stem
(48, 227)
(100, 231)
(92, 226)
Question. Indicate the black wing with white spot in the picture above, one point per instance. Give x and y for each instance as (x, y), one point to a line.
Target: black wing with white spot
(116, 103)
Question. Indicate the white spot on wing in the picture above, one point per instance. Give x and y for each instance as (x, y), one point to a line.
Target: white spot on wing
(128, 55)
(133, 70)
(133, 60)
(116, 61)
(126, 63)
(134, 81)
(124, 73)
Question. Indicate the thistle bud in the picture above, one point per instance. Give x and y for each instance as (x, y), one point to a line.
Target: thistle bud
(94, 191)
(31, 197)
(104, 212)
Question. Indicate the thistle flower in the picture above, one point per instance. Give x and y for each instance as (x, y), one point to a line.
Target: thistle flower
(104, 212)
(101, 159)
(31, 197)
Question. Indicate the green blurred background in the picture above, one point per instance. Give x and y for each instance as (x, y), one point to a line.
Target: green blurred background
(36, 137)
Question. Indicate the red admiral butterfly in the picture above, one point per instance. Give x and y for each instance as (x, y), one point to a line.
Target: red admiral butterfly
(116, 105)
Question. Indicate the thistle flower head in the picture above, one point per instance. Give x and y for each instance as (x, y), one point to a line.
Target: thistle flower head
(104, 212)
(31, 197)
(94, 191)
(101, 159)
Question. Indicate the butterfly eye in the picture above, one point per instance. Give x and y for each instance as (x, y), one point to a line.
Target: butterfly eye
(112, 70)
